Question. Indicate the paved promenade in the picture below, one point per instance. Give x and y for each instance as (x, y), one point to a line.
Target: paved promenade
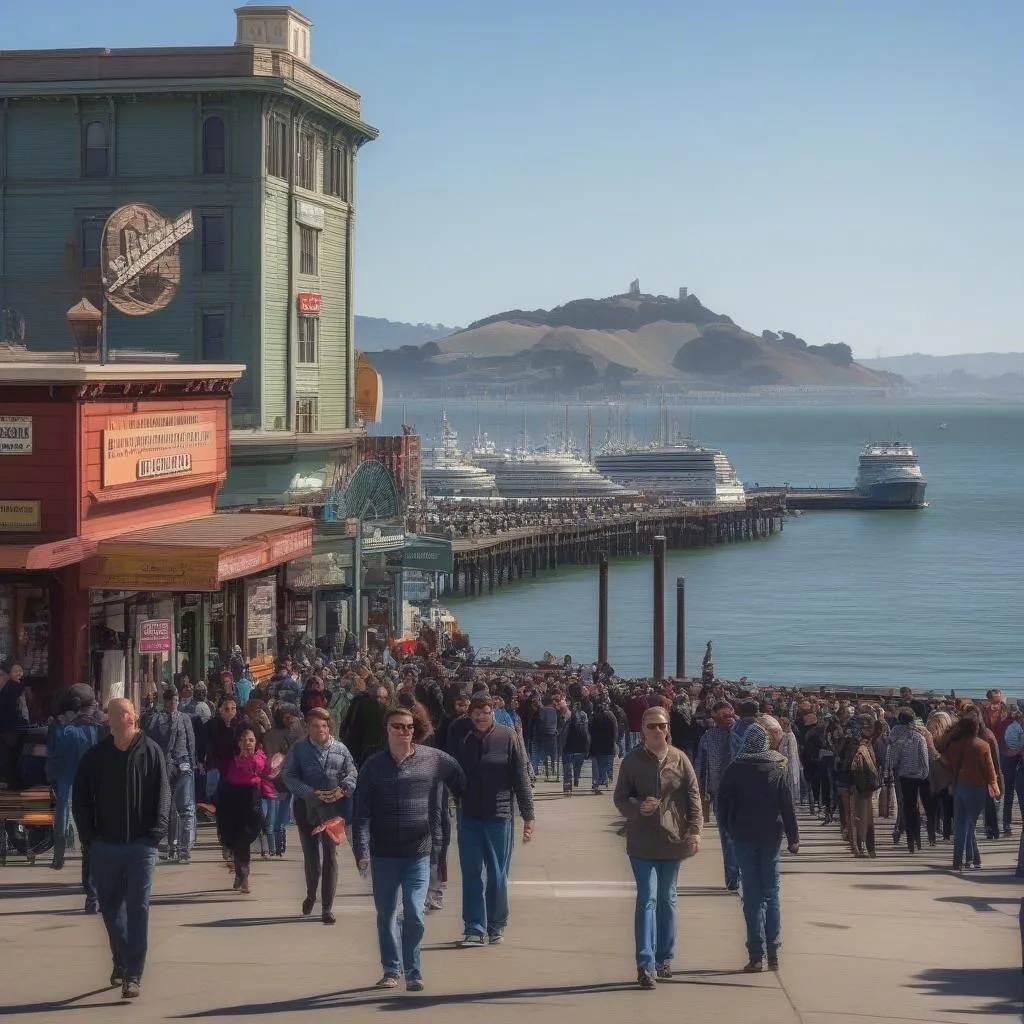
(865, 942)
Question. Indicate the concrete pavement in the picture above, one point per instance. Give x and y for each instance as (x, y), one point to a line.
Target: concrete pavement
(865, 942)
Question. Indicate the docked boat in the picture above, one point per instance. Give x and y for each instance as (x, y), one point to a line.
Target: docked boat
(685, 471)
(446, 473)
(889, 474)
(547, 474)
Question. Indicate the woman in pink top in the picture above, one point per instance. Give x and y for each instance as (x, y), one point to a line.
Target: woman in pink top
(239, 815)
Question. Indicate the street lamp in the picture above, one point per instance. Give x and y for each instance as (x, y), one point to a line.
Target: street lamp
(86, 323)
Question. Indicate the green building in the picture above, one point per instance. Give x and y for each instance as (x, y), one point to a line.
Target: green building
(259, 144)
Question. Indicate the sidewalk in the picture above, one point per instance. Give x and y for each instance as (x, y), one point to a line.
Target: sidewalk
(865, 942)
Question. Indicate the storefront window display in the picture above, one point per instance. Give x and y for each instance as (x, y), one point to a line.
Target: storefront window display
(25, 628)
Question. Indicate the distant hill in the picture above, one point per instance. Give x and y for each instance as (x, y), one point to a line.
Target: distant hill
(374, 333)
(633, 340)
(920, 366)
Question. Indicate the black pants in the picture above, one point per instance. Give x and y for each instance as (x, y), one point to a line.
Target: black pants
(242, 853)
(819, 785)
(940, 814)
(911, 791)
(319, 858)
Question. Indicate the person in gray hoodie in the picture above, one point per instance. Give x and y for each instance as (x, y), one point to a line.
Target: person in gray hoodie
(171, 729)
(755, 807)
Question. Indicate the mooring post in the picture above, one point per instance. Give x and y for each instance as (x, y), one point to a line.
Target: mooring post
(680, 627)
(602, 608)
(659, 608)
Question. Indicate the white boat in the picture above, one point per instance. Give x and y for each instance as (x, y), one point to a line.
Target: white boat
(684, 471)
(547, 474)
(446, 473)
(889, 474)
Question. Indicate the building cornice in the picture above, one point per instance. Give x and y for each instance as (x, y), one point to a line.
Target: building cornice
(187, 89)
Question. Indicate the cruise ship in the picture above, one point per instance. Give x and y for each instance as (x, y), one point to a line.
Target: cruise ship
(446, 473)
(547, 474)
(685, 471)
(889, 474)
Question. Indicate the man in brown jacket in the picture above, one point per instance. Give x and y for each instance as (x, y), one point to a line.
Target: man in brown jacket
(658, 795)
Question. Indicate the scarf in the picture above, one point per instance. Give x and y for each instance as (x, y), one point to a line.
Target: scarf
(756, 746)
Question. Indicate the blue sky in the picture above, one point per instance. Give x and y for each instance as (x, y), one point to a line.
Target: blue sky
(849, 170)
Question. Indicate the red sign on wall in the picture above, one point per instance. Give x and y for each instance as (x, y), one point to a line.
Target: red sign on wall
(309, 302)
(154, 636)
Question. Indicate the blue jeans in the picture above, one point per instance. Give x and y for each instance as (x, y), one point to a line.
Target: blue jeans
(485, 853)
(411, 875)
(547, 753)
(181, 826)
(732, 868)
(654, 921)
(759, 872)
(123, 877)
(61, 820)
(968, 804)
(572, 765)
(602, 767)
(278, 814)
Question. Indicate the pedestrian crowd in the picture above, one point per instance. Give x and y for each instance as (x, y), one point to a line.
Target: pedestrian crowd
(401, 757)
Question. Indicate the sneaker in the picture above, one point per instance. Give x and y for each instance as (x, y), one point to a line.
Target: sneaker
(244, 889)
(238, 883)
(116, 977)
(773, 960)
(307, 906)
(414, 985)
(328, 918)
(130, 988)
(388, 981)
(495, 938)
(469, 940)
(92, 907)
(645, 979)
(434, 905)
(663, 972)
(754, 967)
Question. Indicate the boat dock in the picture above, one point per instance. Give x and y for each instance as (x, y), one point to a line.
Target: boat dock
(513, 554)
(821, 499)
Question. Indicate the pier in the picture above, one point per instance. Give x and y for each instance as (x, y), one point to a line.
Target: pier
(492, 560)
(823, 499)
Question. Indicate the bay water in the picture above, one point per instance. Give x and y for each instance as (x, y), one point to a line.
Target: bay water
(930, 598)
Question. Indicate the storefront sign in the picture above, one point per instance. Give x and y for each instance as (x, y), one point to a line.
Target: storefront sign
(150, 447)
(309, 302)
(19, 516)
(155, 636)
(310, 214)
(261, 605)
(16, 435)
(140, 567)
(430, 554)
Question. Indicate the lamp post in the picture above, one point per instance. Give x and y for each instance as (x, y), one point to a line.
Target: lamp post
(86, 323)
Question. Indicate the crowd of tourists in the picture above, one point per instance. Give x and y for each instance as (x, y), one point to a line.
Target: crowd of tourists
(389, 750)
(462, 517)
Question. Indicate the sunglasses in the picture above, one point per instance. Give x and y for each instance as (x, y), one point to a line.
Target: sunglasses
(401, 726)
(656, 725)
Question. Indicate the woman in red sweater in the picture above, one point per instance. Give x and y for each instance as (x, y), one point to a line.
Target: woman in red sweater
(239, 814)
(969, 759)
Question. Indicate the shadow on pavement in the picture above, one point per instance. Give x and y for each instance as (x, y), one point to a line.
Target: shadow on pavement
(57, 1005)
(980, 903)
(245, 922)
(997, 989)
(392, 1001)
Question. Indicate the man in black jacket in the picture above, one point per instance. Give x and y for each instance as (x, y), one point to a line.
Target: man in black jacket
(604, 734)
(494, 762)
(121, 802)
(755, 808)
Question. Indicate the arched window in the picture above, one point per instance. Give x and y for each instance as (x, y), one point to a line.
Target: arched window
(214, 146)
(96, 158)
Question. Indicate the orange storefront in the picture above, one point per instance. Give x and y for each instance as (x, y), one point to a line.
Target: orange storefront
(114, 567)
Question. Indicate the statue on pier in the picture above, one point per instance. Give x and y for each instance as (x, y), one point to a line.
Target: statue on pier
(707, 667)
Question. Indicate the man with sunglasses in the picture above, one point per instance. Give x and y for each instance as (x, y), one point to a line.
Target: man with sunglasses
(658, 794)
(396, 817)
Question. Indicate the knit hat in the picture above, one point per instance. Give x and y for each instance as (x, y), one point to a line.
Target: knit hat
(83, 693)
(481, 700)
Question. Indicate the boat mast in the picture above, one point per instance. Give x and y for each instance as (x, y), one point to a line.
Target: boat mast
(590, 435)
